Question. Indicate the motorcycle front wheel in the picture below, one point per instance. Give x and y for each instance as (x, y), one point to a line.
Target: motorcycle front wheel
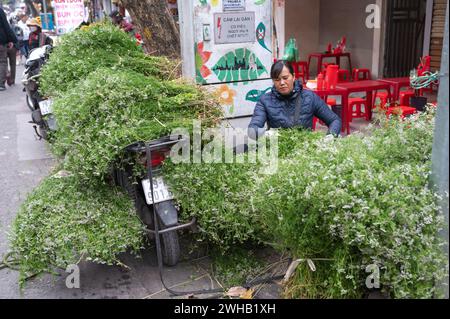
(43, 131)
(30, 103)
(170, 247)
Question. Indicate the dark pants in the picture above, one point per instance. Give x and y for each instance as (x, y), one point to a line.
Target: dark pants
(3, 64)
(12, 56)
(24, 50)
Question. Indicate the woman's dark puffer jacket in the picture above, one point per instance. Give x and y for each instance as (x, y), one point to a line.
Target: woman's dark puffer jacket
(279, 110)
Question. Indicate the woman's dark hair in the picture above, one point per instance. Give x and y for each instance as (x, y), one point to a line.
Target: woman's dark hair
(278, 66)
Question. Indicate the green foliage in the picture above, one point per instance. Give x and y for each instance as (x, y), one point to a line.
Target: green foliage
(344, 203)
(347, 203)
(100, 45)
(219, 196)
(368, 199)
(107, 94)
(236, 267)
(111, 109)
(62, 222)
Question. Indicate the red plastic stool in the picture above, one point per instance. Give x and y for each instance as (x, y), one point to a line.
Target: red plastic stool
(356, 108)
(383, 96)
(361, 74)
(301, 71)
(403, 111)
(405, 97)
(344, 76)
(315, 119)
(325, 66)
(331, 102)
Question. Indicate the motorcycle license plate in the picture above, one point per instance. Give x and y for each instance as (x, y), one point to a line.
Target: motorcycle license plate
(160, 190)
(46, 107)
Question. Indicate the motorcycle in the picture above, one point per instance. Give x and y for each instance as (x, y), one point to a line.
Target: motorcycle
(41, 107)
(153, 201)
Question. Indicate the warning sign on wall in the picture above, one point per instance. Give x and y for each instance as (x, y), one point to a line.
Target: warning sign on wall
(234, 27)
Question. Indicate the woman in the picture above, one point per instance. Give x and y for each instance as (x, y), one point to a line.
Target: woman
(37, 38)
(288, 105)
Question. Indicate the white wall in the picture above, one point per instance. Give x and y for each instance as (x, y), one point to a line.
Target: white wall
(315, 23)
(347, 18)
(302, 23)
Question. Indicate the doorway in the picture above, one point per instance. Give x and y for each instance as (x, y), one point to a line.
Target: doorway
(405, 26)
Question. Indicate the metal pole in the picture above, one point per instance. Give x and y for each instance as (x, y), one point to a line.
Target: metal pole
(428, 25)
(440, 146)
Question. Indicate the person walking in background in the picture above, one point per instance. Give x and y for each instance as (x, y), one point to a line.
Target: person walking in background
(11, 54)
(7, 41)
(24, 50)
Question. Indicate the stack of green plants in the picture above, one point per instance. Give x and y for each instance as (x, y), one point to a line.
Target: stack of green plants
(111, 109)
(63, 222)
(107, 94)
(348, 205)
(99, 45)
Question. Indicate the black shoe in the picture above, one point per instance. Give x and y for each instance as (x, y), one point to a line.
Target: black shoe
(2, 88)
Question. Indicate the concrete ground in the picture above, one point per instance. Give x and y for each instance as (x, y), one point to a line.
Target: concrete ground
(25, 161)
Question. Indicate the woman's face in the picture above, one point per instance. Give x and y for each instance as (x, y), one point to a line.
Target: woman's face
(285, 82)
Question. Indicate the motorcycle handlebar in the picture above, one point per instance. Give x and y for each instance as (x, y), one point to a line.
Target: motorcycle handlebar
(140, 147)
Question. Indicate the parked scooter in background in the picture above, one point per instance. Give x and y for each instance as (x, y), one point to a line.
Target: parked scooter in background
(40, 106)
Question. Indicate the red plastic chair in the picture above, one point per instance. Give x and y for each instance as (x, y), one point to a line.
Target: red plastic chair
(361, 74)
(405, 97)
(383, 96)
(364, 74)
(403, 111)
(301, 70)
(358, 108)
(325, 66)
(315, 119)
(331, 101)
(344, 76)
